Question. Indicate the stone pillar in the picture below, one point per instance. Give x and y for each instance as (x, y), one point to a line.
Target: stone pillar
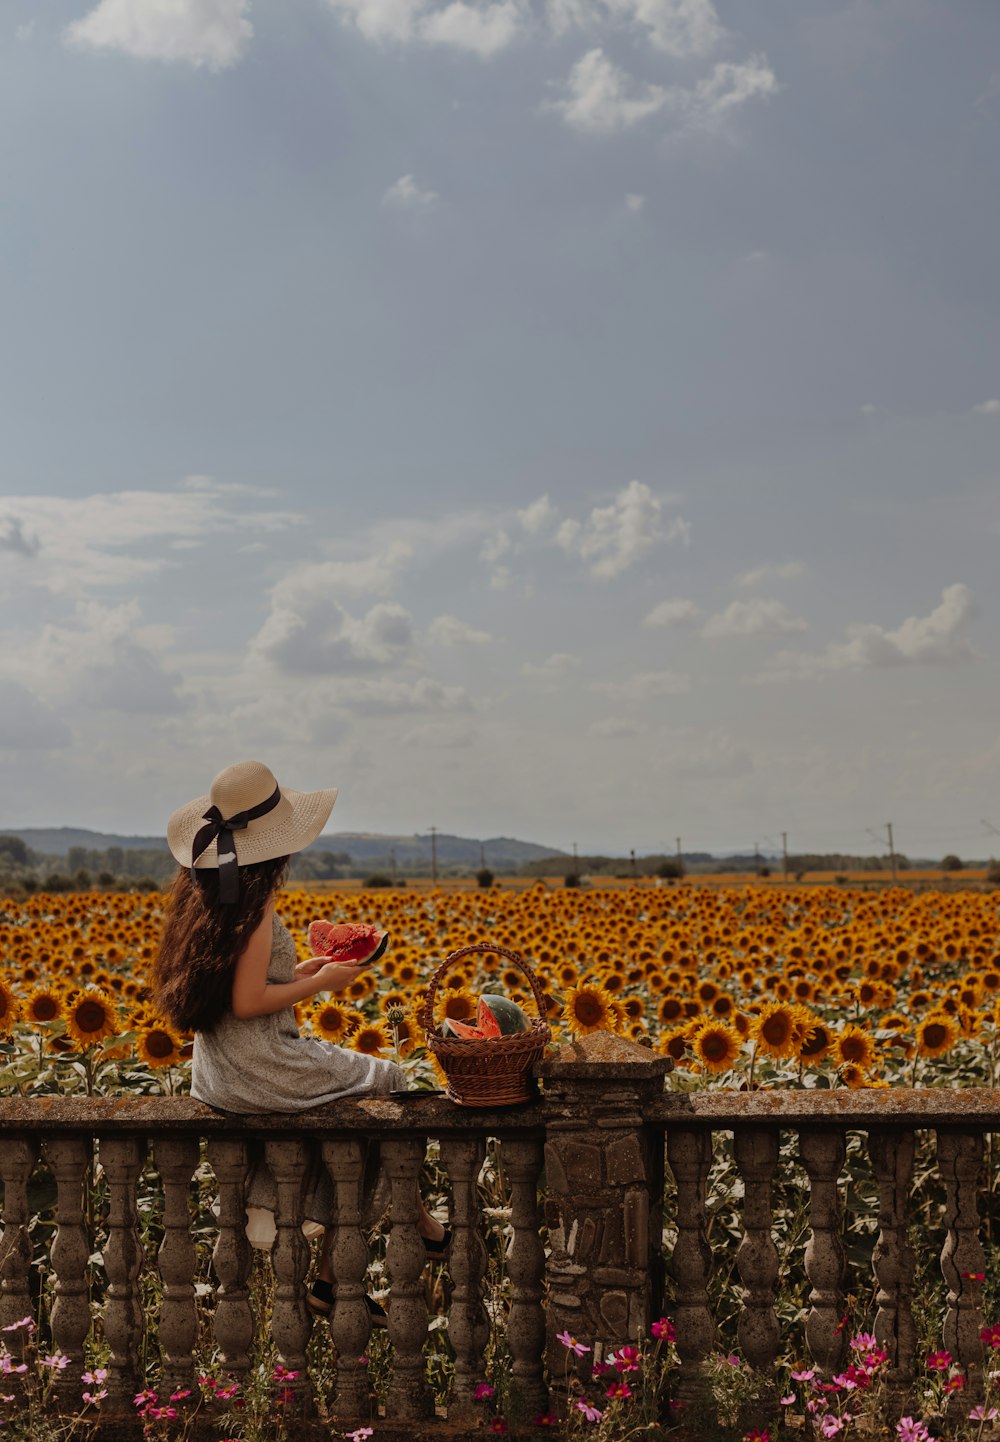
(604, 1196)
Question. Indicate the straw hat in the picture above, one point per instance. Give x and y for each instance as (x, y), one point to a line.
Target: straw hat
(246, 817)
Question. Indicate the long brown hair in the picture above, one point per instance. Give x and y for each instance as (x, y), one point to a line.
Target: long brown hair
(201, 941)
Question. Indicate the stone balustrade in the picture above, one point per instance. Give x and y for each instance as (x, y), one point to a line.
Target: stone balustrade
(585, 1168)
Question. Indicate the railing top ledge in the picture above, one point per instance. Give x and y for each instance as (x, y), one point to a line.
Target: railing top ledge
(430, 1115)
(602, 1056)
(897, 1106)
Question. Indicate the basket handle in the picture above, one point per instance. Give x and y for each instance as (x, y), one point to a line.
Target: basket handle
(480, 946)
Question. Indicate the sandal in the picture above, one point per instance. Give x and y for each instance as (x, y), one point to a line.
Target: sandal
(439, 1247)
(319, 1301)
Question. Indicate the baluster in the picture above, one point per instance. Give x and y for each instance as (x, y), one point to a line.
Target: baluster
(228, 1157)
(468, 1326)
(350, 1323)
(690, 1155)
(822, 1155)
(69, 1159)
(409, 1396)
(756, 1152)
(18, 1155)
(122, 1159)
(175, 1159)
(960, 1158)
(526, 1268)
(891, 1152)
(288, 1160)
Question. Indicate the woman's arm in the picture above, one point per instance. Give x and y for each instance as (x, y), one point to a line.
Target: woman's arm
(254, 995)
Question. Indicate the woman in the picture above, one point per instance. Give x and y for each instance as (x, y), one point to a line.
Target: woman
(226, 970)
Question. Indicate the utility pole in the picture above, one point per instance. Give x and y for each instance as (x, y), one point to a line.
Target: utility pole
(576, 862)
(784, 854)
(892, 852)
(392, 858)
(482, 857)
(632, 862)
(756, 859)
(680, 858)
(434, 855)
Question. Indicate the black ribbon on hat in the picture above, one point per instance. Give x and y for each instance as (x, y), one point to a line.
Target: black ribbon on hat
(220, 830)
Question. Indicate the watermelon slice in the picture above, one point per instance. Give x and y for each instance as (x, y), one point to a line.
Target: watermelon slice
(508, 1015)
(464, 1031)
(486, 1021)
(347, 941)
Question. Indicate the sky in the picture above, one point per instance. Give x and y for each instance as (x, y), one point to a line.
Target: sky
(576, 420)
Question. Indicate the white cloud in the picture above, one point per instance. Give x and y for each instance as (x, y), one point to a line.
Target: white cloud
(679, 612)
(560, 663)
(25, 31)
(934, 640)
(310, 634)
(645, 686)
(501, 578)
(725, 89)
(752, 618)
(613, 727)
(537, 517)
(494, 547)
(987, 408)
(79, 543)
(601, 98)
(714, 756)
(102, 658)
(781, 571)
(213, 33)
(406, 194)
(443, 735)
(483, 30)
(450, 631)
(614, 537)
(384, 695)
(26, 723)
(682, 29)
(634, 202)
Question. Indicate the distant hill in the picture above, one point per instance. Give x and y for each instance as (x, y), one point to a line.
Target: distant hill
(363, 847)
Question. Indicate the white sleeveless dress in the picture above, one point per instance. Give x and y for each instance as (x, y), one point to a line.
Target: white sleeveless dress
(262, 1064)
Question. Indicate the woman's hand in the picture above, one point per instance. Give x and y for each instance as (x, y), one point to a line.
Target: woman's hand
(310, 966)
(337, 975)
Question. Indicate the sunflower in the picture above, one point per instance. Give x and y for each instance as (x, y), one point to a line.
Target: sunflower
(370, 1039)
(43, 1005)
(331, 1020)
(588, 1008)
(774, 1029)
(362, 986)
(854, 1076)
(674, 1043)
(818, 1042)
(459, 1006)
(159, 1046)
(634, 1007)
(716, 1046)
(9, 1008)
(90, 1017)
(671, 1008)
(855, 1047)
(936, 1034)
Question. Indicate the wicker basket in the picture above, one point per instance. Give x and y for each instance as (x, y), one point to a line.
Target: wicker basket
(496, 1071)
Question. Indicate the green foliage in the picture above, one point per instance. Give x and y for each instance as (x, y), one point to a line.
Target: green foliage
(484, 878)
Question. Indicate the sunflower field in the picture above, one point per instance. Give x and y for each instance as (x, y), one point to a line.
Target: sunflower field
(742, 988)
(745, 987)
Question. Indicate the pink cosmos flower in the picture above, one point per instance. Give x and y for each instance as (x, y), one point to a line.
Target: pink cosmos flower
(27, 1322)
(787, 1401)
(863, 1342)
(983, 1414)
(626, 1359)
(99, 1374)
(498, 1425)
(95, 1396)
(484, 1390)
(909, 1429)
(177, 1396)
(571, 1344)
(281, 1374)
(360, 1435)
(991, 1335)
(830, 1426)
(757, 1435)
(804, 1376)
(591, 1413)
(54, 1359)
(955, 1384)
(600, 1369)
(664, 1328)
(619, 1389)
(939, 1361)
(545, 1419)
